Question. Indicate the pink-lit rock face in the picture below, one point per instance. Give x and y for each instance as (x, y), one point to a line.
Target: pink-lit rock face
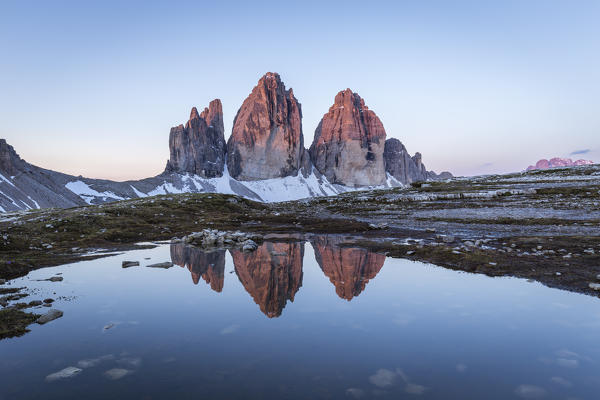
(199, 146)
(271, 275)
(267, 140)
(349, 143)
(210, 266)
(558, 162)
(349, 269)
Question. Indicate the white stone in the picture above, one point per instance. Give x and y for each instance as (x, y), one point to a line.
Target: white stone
(66, 373)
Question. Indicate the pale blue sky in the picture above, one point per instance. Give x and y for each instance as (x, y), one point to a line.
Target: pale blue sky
(475, 86)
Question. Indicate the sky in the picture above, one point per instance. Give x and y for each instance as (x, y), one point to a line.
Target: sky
(93, 88)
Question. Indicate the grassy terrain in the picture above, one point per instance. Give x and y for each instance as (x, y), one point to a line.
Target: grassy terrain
(424, 222)
(53, 237)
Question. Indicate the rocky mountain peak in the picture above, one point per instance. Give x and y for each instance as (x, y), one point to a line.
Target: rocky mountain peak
(558, 162)
(403, 167)
(213, 115)
(199, 147)
(267, 141)
(194, 113)
(10, 162)
(349, 142)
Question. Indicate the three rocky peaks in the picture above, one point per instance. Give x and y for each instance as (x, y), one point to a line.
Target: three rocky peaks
(349, 146)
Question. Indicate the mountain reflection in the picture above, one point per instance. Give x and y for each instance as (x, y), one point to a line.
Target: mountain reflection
(271, 275)
(208, 265)
(348, 268)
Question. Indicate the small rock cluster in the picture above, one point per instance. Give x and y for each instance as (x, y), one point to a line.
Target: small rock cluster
(214, 238)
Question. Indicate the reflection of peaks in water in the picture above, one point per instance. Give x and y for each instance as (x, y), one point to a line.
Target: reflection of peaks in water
(349, 269)
(208, 265)
(271, 275)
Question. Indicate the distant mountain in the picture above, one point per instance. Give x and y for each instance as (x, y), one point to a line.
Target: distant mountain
(264, 158)
(558, 162)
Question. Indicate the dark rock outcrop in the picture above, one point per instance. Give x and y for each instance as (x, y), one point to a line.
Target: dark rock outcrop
(349, 143)
(420, 169)
(10, 162)
(199, 147)
(398, 163)
(407, 169)
(267, 141)
(439, 177)
(349, 269)
(271, 275)
(24, 186)
(208, 265)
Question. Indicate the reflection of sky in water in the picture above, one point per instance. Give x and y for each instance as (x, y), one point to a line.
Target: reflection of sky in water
(414, 331)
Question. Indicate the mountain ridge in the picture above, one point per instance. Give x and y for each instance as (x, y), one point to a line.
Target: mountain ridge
(264, 158)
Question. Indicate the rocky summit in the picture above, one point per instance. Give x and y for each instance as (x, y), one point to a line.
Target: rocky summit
(349, 143)
(199, 147)
(558, 162)
(265, 157)
(404, 168)
(267, 141)
(24, 186)
(399, 164)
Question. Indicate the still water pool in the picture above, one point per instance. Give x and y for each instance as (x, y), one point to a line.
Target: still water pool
(299, 321)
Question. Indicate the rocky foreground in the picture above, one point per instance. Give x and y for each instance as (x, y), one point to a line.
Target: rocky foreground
(542, 225)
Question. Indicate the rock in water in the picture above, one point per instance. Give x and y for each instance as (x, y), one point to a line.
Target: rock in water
(49, 316)
(349, 143)
(66, 373)
(199, 147)
(164, 265)
(117, 373)
(267, 140)
(127, 264)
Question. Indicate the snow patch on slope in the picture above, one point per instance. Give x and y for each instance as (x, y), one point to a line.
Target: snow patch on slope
(137, 192)
(2, 177)
(88, 194)
(268, 190)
